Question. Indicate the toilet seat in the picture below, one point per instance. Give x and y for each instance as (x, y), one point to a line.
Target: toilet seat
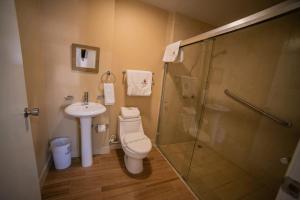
(138, 143)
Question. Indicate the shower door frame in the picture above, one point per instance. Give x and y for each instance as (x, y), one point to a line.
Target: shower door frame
(198, 120)
(264, 15)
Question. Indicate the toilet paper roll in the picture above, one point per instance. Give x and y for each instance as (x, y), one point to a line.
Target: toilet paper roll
(101, 128)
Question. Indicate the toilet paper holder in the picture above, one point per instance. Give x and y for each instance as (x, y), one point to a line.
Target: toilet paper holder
(100, 128)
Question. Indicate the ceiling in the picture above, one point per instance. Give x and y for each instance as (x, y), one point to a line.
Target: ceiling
(214, 12)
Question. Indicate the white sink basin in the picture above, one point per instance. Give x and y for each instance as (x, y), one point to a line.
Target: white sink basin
(85, 113)
(80, 110)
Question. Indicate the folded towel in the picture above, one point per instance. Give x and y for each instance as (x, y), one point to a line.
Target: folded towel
(130, 112)
(109, 94)
(139, 83)
(171, 52)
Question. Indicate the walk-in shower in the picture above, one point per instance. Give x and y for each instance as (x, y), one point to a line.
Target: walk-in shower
(229, 119)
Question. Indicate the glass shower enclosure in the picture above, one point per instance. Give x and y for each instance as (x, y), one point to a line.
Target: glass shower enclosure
(230, 118)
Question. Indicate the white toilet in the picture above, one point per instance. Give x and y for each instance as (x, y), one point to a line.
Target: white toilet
(135, 143)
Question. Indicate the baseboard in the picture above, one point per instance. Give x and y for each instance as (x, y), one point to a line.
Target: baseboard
(115, 146)
(45, 171)
(102, 150)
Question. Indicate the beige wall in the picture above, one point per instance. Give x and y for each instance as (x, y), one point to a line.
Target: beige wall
(186, 27)
(181, 27)
(130, 34)
(64, 23)
(139, 42)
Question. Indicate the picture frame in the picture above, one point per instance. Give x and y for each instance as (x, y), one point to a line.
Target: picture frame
(85, 58)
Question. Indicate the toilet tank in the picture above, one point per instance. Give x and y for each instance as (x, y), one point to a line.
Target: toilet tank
(127, 126)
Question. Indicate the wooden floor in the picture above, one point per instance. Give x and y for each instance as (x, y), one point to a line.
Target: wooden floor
(108, 179)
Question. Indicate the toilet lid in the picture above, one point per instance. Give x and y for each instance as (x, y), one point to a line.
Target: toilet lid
(130, 112)
(138, 142)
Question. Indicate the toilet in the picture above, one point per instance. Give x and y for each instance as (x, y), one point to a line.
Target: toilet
(135, 144)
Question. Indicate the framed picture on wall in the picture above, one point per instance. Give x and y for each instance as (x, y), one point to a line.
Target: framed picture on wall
(85, 58)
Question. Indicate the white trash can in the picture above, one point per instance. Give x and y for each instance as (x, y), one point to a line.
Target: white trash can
(61, 152)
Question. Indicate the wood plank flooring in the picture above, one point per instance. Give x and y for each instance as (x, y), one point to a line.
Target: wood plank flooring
(108, 179)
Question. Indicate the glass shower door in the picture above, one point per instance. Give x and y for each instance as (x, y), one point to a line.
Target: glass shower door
(240, 153)
(182, 100)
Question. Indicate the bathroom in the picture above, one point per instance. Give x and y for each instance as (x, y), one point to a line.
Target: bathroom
(220, 122)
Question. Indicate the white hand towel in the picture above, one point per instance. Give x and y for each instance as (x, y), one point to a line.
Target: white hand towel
(109, 94)
(139, 83)
(171, 52)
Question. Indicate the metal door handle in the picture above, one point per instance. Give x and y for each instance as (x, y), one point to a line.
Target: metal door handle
(32, 111)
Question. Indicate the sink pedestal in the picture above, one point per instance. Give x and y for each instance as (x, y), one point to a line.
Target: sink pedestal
(86, 141)
(85, 112)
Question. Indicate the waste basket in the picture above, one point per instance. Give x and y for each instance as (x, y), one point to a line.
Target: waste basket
(61, 152)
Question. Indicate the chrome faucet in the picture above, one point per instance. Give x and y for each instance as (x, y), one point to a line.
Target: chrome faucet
(85, 98)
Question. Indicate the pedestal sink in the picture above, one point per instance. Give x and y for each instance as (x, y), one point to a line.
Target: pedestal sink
(85, 112)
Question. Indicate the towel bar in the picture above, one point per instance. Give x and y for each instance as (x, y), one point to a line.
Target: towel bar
(124, 77)
(124, 72)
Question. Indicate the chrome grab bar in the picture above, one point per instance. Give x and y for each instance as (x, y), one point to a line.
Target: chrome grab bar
(259, 110)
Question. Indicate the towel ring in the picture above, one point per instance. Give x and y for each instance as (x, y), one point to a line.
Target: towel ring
(105, 77)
